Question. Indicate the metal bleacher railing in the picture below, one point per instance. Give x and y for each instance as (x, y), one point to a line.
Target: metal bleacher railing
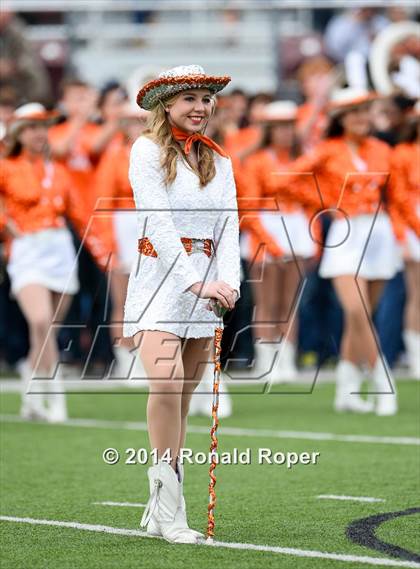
(106, 41)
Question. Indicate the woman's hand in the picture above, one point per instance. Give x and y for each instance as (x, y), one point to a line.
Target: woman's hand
(12, 229)
(218, 290)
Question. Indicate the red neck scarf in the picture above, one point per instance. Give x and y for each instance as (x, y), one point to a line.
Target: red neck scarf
(189, 138)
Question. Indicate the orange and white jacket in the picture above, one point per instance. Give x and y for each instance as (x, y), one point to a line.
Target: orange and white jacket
(259, 168)
(112, 187)
(404, 187)
(329, 177)
(38, 194)
(248, 200)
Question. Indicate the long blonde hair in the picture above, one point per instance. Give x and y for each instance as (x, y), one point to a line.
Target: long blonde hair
(159, 130)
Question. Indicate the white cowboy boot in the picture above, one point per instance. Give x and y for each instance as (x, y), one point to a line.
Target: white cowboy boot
(202, 398)
(412, 345)
(138, 375)
(33, 407)
(348, 382)
(56, 398)
(162, 513)
(284, 369)
(386, 398)
(122, 364)
(181, 514)
(182, 510)
(267, 356)
(264, 357)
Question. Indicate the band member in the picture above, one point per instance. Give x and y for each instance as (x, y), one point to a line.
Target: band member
(189, 259)
(37, 194)
(405, 184)
(78, 143)
(351, 170)
(114, 193)
(276, 278)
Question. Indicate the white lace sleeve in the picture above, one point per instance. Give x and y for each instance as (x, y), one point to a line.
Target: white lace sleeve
(151, 197)
(226, 235)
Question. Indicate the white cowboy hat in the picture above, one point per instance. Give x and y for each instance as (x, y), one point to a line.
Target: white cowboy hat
(279, 111)
(178, 79)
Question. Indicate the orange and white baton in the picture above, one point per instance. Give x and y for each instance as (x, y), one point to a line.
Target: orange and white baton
(219, 311)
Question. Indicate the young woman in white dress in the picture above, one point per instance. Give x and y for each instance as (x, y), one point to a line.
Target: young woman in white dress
(188, 231)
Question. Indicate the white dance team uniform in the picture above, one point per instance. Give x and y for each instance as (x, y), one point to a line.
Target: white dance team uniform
(37, 195)
(45, 257)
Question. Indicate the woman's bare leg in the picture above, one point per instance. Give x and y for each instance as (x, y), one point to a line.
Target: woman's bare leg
(161, 355)
(375, 290)
(262, 275)
(273, 287)
(358, 343)
(287, 294)
(119, 282)
(412, 307)
(197, 352)
(61, 304)
(36, 304)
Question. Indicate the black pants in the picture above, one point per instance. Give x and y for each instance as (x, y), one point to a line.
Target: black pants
(237, 340)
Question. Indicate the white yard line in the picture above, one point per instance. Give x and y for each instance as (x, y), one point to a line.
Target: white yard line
(366, 560)
(243, 378)
(231, 431)
(350, 498)
(121, 504)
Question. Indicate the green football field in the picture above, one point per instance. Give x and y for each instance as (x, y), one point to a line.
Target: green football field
(63, 507)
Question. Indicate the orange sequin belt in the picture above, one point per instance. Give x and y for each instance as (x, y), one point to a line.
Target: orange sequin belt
(191, 245)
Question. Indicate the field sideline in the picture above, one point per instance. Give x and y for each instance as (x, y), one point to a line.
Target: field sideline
(358, 506)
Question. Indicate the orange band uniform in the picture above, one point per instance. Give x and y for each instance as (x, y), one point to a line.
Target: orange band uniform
(259, 169)
(80, 162)
(328, 178)
(404, 187)
(33, 207)
(248, 200)
(112, 187)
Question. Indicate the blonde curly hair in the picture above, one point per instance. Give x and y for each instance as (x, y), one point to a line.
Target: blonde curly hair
(159, 130)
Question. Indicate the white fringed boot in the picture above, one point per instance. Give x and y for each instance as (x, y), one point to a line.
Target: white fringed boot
(202, 398)
(284, 369)
(162, 515)
(123, 361)
(386, 397)
(266, 356)
(181, 514)
(412, 346)
(348, 383)
(129, 367)
(138, 375)
(56, 397)
(33, 407)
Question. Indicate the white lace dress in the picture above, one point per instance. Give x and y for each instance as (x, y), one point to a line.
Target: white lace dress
(157, 298)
